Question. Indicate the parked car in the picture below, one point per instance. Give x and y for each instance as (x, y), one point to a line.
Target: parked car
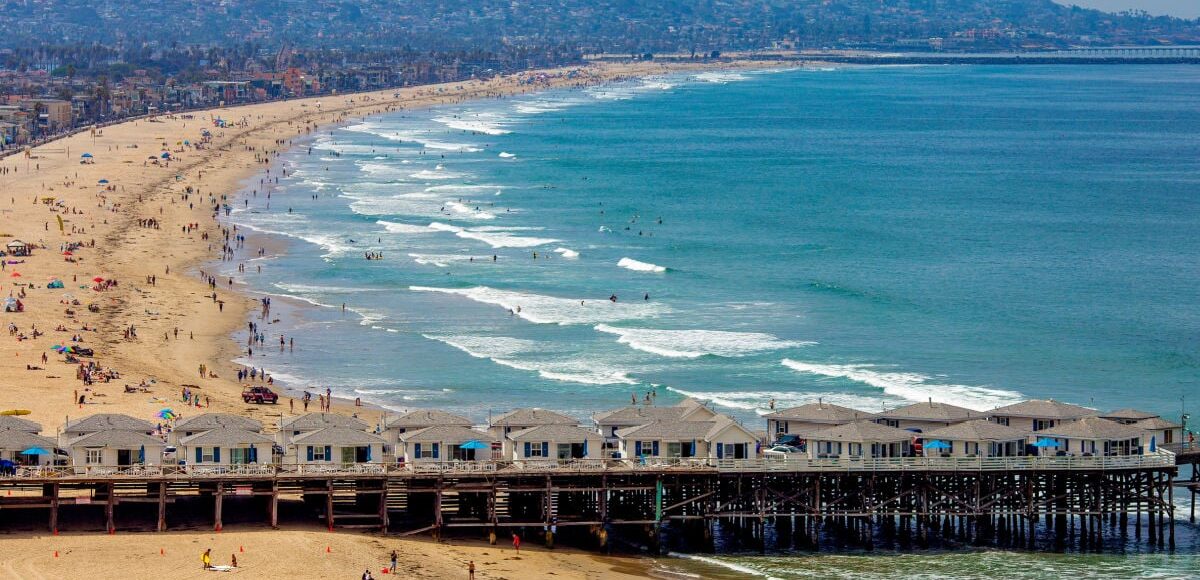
(259, 395)
(782, 452)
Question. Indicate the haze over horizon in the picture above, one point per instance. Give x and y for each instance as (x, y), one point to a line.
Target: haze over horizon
(1177, 8)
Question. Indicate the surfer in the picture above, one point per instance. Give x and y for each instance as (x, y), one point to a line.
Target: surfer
(613, 298)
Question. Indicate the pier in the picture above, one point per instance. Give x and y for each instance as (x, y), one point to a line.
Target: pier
(684, 504)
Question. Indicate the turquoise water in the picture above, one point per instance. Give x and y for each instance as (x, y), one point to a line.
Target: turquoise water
(869, 236)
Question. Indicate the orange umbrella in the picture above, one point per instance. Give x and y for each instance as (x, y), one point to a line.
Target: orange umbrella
(15, 274)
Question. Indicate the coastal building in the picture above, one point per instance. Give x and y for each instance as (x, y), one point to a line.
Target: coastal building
(1160, 431)
(224, 446)
(975, 438)
(444, 443)
(339, 445)
(1093, 436)
(608, 422)
(14, 443)
(557, 442)
(1038, 414)
(190, 426)
(101, 422)
(394, 427)
(811, 417)
(921, 417)
(103, 450)
(519, 419)
(292, 427)
(719, 438)
(858, 439)
(19, 424)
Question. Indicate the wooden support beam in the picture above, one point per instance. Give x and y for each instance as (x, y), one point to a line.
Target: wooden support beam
(274, 508)
(383, 511)
(54, 508)
(329, 504)
(162, 507)
(219, 503)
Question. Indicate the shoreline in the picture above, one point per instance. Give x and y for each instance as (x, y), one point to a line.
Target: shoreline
(124, 222)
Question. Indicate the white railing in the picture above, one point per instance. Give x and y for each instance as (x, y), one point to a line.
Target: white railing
(799, 463)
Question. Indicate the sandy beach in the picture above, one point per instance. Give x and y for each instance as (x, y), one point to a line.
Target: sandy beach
(113, 228)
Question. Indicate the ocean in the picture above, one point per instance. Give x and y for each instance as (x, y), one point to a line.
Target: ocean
(867, 236)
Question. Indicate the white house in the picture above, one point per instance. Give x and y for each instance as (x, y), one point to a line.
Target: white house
(560, 442)
(1038, 414)
(811, 417)
(977, 437)
(859, 439)
(14, 441)
(519, 419)
(190, 426)
(19, 424)
(292, 427)
(339, 445)
(1159, 430)
(444, 443)
(719, 438)
(114, 447)
(394, 427)
(1094, 436)
(104, 422)
(225, 446)
(921, 417)
(608, 422)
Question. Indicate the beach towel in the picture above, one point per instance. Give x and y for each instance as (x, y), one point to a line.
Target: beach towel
(220, 568)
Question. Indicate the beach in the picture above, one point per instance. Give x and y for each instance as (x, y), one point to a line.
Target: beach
(122, 221)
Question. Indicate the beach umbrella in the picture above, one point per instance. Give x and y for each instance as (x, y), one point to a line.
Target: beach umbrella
(1044, 442)
(166, 414)
(15, 275)
(103, 181)
(68, 253)
(86, 156)
(165, 155)
(474, 444)
(936, 444)
(142, 454)
(97, 279)
(35, 451)
(186, 142)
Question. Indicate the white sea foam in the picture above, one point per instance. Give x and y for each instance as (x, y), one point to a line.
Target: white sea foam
(506, 155)
(566, 253)
(468, 211)
(697, 343)
(760, 401)
(438, 172)
(720, 77)
(314, 289)
(439, 260)
(723, 564)
(910, 386)
(542, 309)
(493, 238)
(505, 351)
(487, 123)
(636, 266)
(399, 228)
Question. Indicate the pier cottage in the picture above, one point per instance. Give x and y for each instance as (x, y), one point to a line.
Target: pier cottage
(104, 422)
(13, 443)
(921, 417)
(1094, 436)
(19, 424)
(554, 442)
(519, 419)
(975, 438)
(101, 451)
(342, 446)
(608, 422)
(719, 438)
(1160, 431)
(292, 427)
(444, 443)
(1038, 414)
(394, 427)
(859, 439)
(811, 417)
(224, 446)
(190, 426)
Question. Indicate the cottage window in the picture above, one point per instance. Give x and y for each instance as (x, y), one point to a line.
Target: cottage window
(564, 451)
(237, 456)
(319, 453)
(95, 456)
(207, 457)
(536, 450)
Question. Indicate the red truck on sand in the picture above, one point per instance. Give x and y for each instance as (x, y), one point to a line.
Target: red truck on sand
(259, 395)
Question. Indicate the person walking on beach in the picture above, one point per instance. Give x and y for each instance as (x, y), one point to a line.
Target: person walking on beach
(471, 570)
(395, 557)
(517, 543)
(206, 559)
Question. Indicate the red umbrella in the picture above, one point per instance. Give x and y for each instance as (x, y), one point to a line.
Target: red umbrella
(15, 274)
(97, 279)
(68, 253)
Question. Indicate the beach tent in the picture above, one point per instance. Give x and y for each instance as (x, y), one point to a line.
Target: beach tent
(55, 284)
(18, 248)
(11, 305)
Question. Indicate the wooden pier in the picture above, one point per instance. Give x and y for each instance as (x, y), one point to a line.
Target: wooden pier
(1037, 503)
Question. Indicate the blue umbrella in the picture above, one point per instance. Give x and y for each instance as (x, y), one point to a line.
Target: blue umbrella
(1044, 442)
(142, 454)
(936, 444)
(35, 451)
(474, 444)
(86, 156)
(103, 181)
(165, 155)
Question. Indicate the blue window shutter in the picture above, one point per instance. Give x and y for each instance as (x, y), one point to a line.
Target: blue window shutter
(253, 454)
(216, 454)
(310, 453)
(585, 453)
(637, 448)
(545, 449)
(720, 450)
(692, 449)
(199, 455)
(435, 450)
(528, 448)
(416, 450)
(328, 453)
(655, 448)
(368, 453)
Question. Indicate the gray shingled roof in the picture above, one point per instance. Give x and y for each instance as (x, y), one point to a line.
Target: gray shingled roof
(931, 411)
(554, 433)
(821, 413)
(427, 418)
(977, 430)
(528, 417)
(117, 438)
(452, 434)
(337, 436)
(226, 436)
(315, 421)
(19, 424)
(862, 432)
(108, 422)
(669, 429)
(640, 415)
(209, 421)
(1093, 428)
(1042, 408)
(1128, 414)
(18, 440)
(1156, 423)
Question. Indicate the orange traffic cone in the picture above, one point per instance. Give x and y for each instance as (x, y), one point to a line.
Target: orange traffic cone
(56, 553)
(327, 550)
(241, 549)
(162, 552)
